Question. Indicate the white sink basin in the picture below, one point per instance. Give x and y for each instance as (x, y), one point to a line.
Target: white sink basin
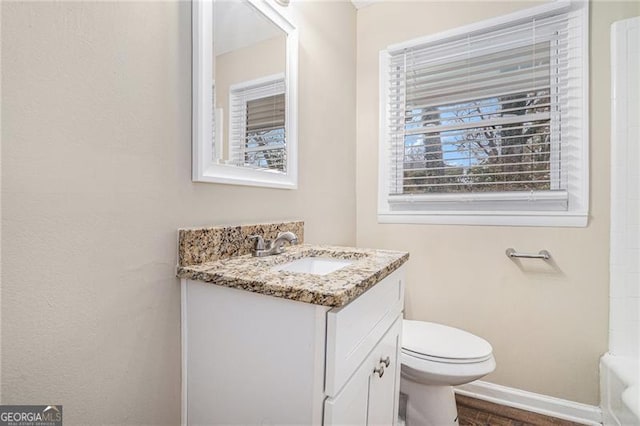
(313, 265)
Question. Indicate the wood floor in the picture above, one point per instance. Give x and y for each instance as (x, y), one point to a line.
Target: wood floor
(474, 412)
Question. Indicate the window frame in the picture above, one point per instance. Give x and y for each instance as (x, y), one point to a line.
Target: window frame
(489, 208)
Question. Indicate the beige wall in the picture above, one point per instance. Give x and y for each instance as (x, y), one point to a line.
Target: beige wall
(249, 63)
(548, 325)
(96, 178)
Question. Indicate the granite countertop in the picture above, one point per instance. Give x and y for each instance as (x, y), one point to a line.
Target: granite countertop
(334, 289)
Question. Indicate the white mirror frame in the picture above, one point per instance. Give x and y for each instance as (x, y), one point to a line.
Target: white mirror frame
(204, 168)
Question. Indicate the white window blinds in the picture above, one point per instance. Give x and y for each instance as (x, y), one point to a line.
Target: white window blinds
(487, 115)
(257, 128)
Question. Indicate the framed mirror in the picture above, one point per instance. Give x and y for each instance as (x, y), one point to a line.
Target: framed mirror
(245, 65)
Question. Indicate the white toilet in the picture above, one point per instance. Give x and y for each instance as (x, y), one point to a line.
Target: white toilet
(434, 359)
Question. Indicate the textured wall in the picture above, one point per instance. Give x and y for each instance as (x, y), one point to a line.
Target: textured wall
(548, 325)
(96, 178)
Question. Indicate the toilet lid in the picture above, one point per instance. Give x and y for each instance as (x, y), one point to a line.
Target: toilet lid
(440, 341)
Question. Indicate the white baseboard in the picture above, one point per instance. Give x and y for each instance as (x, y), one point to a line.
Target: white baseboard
(536, 403)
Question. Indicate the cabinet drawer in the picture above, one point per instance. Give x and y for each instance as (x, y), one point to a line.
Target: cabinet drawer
(354, 329)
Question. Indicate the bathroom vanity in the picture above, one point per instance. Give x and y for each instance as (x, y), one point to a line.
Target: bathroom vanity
(310, 336)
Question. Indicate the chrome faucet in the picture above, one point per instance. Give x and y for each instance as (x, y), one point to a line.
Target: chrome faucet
(269, 247)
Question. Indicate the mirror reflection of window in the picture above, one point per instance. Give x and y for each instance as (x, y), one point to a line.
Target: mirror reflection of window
(265, 135)
(257, 124)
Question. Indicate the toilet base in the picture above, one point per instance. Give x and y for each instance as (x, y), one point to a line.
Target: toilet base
(429, 405)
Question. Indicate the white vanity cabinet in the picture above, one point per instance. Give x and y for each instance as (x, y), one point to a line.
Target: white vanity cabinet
(261, 360)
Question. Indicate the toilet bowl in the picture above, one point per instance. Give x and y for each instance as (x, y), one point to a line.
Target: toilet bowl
(435, 358)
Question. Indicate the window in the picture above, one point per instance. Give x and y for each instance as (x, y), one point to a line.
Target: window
(257, 124)
(487, 124)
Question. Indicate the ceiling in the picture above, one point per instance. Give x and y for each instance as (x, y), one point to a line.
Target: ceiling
(230, 36)
(359, 4)
(237, 25)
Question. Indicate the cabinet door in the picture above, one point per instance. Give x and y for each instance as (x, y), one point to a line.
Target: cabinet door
(349, 407)
(368, 398)
(384, 390)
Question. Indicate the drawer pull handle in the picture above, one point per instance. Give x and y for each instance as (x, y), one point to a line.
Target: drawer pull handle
(386, 361)
(379, 370)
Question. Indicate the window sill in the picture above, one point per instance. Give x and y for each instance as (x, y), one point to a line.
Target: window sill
(233, 175)
(488, 218)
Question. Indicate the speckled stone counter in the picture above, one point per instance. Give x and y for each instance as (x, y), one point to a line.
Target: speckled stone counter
(200, 245)
(333, 289)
